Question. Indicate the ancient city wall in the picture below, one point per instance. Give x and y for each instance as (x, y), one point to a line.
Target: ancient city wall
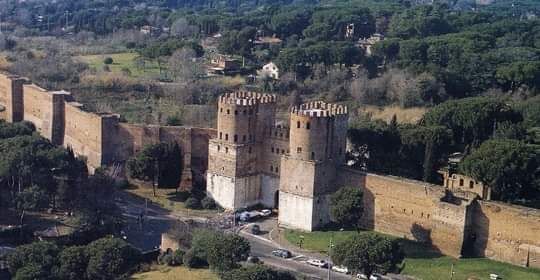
(193, 143)
(11, 98)
(409, 209)
(507, 233)
(45, 109)
(86, 133)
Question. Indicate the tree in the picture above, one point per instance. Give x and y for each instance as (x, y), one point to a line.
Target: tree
(368, 253)
(108, 60)
(256, 272)
(346, 206)
(184, 66)
(182, 28)
(510, 167)
(160, 164)
(73, 263)
(110, 258)
(38, 259)
(222, 251)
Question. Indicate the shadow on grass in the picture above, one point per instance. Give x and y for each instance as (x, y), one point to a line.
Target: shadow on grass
(181, 196)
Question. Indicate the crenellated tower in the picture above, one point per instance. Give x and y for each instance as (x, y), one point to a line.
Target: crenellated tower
(244, 118)
(317, 145)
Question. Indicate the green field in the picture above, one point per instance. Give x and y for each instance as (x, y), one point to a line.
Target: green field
(121, 61)
(170, 200)
(421, 261)
(175, 273)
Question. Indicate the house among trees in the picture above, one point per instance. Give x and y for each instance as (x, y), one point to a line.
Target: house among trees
(270, 70)
(367, 43)
(224, 65)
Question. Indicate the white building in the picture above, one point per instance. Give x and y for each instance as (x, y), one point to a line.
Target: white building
(270, 70)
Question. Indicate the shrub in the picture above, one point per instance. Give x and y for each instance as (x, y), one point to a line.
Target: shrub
(193, 203)
(208, 203)
(192, 261)
(165, 258)
(178, 257)
(108, 60)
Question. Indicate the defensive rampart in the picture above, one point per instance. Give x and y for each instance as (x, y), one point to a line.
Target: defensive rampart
(507, 233)
(410, 209)
(100, 138)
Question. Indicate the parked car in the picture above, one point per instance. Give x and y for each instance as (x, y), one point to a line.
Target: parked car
(340, 269)
(318, 263)
(266, 212)
(282, 253)
(256, 229)
(361, 276)
(253, 259)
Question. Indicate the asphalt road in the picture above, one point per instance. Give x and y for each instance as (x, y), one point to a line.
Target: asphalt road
(158, 221)
(263, 249)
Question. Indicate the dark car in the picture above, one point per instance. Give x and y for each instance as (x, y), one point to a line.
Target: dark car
(282, 253)
(256, 229)
(253, 259)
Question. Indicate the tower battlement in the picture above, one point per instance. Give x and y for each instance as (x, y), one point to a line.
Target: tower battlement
(320, 109)
(247, 98)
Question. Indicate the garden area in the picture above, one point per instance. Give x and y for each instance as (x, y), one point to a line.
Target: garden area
(420, 261)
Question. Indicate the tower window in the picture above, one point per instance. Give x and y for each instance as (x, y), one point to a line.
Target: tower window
(297, 124)
(235, 138)
(471, 184)
(228, 111)
(312, 155)
(282, 152)
(461, 182)
(244, 138)
(218, 148)
(220, 135)
(226, 150)
(299, 149)
(272, 149)
(236, 112)
(277, 169)
(226, 136)
(307, 125)
(221, 110)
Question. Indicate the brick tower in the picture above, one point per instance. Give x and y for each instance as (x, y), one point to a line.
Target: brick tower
(244, 118)
(317, 145)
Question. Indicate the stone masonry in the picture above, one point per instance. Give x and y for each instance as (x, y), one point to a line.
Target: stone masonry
(250, 160)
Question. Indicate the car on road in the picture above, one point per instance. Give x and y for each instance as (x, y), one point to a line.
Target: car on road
(318, 263)
(266, 212)
(340, 269)
(375, 276)
(282, 253)
(255, 229)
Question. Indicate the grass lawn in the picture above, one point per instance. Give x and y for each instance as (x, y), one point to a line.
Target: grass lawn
(170, 200)
(121, 61)
(175, 273)
(422, 262)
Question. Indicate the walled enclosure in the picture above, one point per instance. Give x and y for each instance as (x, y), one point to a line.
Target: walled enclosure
(100, 138)
(396, 206)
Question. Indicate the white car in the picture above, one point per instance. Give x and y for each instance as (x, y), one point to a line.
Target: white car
(318, 263)
(266, 212)
(340, 269)
(362, 276)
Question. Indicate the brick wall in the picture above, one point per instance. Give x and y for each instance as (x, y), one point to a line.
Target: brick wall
(409, 209)
(507, 233)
